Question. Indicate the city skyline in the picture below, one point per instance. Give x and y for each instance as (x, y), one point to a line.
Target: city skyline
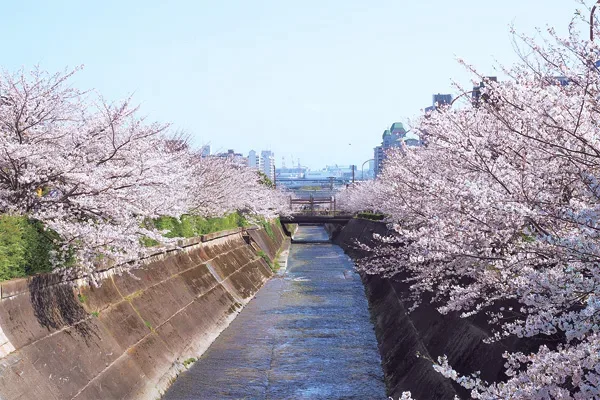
(322, 78)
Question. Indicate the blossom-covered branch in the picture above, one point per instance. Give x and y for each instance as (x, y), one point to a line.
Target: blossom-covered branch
(94, 171)
(502, 207)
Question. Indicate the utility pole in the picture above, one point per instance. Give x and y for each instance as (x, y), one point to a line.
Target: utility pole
(353, 173)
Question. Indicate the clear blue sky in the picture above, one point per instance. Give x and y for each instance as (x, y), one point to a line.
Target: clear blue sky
(317, 80)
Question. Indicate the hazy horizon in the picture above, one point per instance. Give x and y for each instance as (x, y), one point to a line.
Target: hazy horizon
(317, 82)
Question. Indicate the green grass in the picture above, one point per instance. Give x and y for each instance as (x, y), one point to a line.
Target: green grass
(189, 361)
(25, 247)
(370, 216)
(273, 265)
(527, 238)
(263, 179)
(265, 257)
(311, 188)
(188, 226)
(266, 225)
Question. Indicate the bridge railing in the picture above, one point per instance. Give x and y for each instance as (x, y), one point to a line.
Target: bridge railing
(316, 219)
(314, 206)
(317, 212)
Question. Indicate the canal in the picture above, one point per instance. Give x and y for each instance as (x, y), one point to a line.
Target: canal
(306, 335)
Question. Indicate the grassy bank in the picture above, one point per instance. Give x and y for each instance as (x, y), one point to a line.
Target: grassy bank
(370, 216)
(188, 226)
(25, 247)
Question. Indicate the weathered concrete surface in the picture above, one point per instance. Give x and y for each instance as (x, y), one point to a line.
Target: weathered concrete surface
(268, 244)
(306, 335)
(128, 338)
(401, 335)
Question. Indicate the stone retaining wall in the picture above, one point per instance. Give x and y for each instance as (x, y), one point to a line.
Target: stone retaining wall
(128, 338)
(401, 335)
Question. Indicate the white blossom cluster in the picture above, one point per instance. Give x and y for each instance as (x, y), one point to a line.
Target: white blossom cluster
(502, 206)
(94, 170)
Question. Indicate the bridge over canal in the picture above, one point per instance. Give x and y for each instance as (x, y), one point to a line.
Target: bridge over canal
(316, 219)
(315, 210)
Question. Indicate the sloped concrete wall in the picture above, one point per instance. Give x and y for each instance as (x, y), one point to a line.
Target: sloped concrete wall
(128, 338)
(401, 335)
(269, 243)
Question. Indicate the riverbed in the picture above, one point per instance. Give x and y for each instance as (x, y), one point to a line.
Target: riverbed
(306, 335)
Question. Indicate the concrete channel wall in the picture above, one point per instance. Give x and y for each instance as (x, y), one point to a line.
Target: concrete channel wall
(401, 335)
(128, 338)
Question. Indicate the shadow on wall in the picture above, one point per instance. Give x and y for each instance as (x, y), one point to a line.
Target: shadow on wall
(402, 334)
(55, 306)
(334, 230)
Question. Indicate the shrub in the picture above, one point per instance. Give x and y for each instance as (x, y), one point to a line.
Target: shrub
(266, 225)
(189, 361)
(371, 216)
(25, 247)
(265, 257)
(192, 225)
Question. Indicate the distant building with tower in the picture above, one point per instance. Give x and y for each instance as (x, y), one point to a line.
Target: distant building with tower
(391, 138)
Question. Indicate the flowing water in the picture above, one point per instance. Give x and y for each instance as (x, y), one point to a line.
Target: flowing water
(306, 335)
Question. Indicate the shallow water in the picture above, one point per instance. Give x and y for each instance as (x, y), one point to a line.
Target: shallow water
(306, 335)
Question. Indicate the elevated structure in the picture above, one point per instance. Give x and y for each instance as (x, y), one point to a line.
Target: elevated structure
(316, 219)
(315, 211)
(391, 138)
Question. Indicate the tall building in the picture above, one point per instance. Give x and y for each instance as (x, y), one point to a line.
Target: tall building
(391, 138)
(231, 155)
(378, 159)
(253, 161)
(438, 100)
(267, 163)
(205, 150)
(397, 130)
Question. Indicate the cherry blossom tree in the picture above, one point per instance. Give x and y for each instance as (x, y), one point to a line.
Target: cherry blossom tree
(362, 196)
(502, 207)
(222, 186)
(94, 171)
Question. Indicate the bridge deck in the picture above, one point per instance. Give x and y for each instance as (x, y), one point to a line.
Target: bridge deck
(316, 219)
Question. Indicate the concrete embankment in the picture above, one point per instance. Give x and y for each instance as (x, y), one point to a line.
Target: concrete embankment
(128, 338)
(306, 335)
(401, 335)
